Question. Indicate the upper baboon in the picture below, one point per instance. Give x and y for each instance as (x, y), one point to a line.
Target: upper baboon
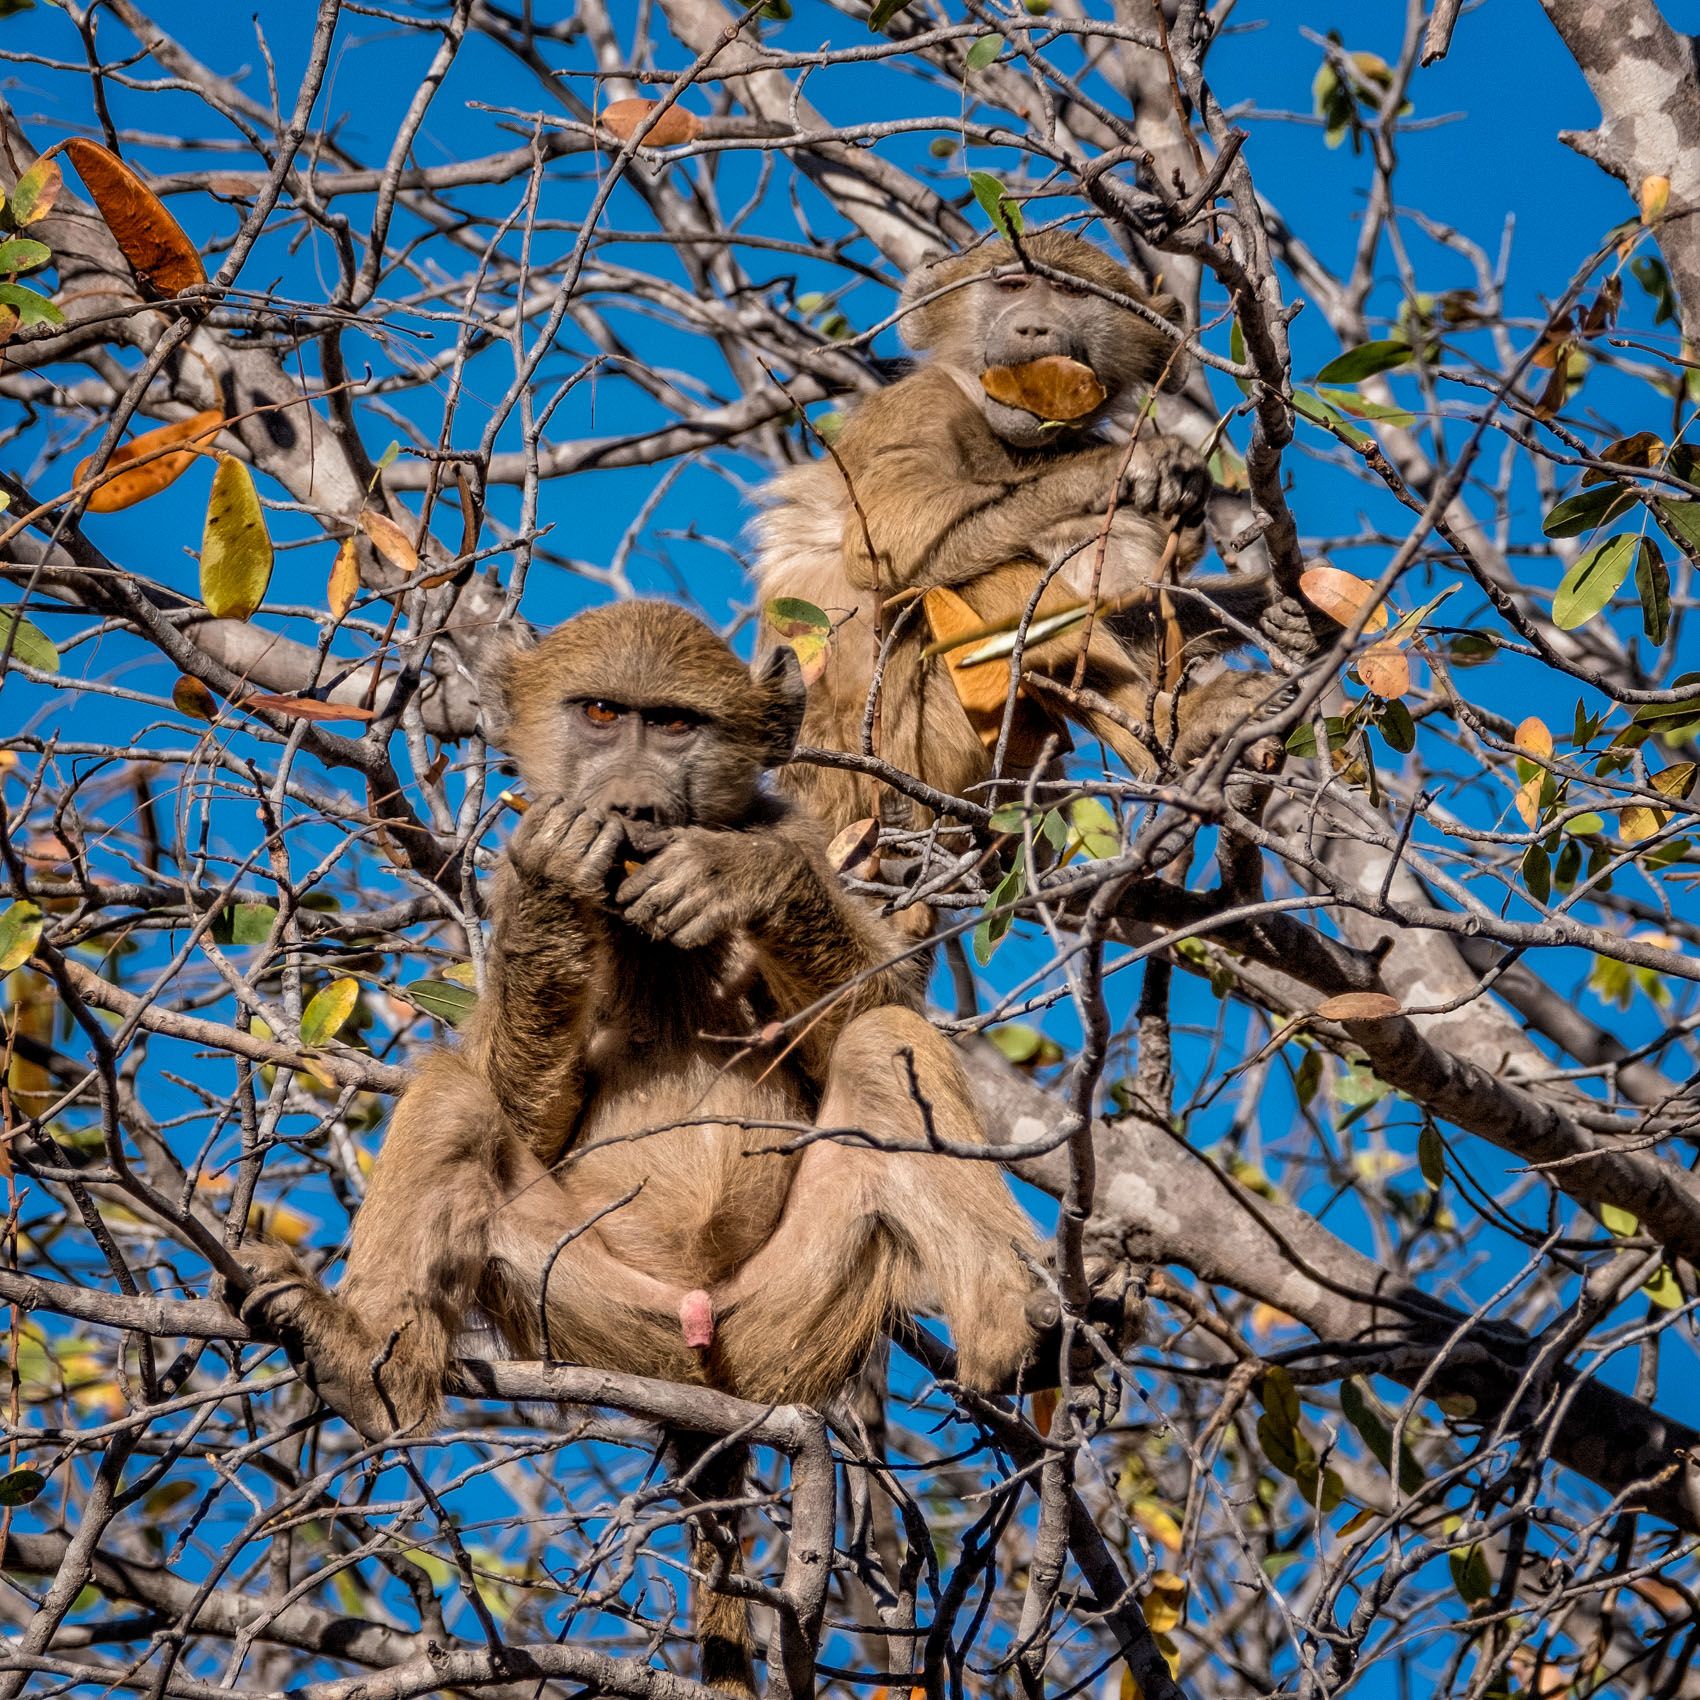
(597, 1165)
(937, 485)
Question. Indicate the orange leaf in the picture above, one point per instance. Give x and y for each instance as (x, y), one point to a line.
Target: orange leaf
(1528, 798)
(1340, 595)
(344, 579)
(1042, 1405)
(624, 118)
(1385, 670)
(390, 540)
(1532, 737)
(164, 260)
(1358, 1006)
(189, 696)
(147, 464)
(309, 708)
(1654, 198)
(1054, 387)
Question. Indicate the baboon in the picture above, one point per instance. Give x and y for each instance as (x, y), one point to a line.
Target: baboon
(596, 1166)
(935, 486)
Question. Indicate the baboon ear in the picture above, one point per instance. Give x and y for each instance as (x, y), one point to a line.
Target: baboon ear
(1174, 380)
(496, 673)
(779, 685)
(920, 327)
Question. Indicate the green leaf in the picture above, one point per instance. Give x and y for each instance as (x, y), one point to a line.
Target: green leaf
(1431, 1155)
(1681, 520)
(995, 203)
(1320, 412)
(1397, 726)
(884, 11)
(35, 192)
(20, 932)
(1592, 582)
(1471, 649)
(244, 924)
(1364, 361)
(21, 254)
(1537, 873)
(1373, 1430)
(1588, 509)
(990, 932)
(1650, 273)
(1349, 401)
(31, 307)
(1584, 825)
(984, 51)
(1018, 1042)
(441, 999)
(236, 550)
(1308, 1079)
(1652, 585)
(26, 642)
(328, 1009)
(790, 616)
(19, 1487)
(1470, 1574)
(1301, 741)
(1096, 830)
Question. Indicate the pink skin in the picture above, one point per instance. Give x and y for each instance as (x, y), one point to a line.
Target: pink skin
(696, 1319)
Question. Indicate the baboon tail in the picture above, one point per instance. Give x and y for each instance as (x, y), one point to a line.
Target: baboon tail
(722, 1619)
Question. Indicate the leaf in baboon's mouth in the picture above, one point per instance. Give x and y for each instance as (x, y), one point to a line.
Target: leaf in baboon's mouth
(1054, 387)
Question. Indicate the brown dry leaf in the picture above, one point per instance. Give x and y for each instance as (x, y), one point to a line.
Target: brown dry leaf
(470, 519)
(236, 548)
(675, 126)
(1340, 595)
(309, 708)
(1358, 1006)
(344, 579)
(1052, 388)
(1533, 738)
(124, 483)
(390, 540)
(854, 850)
(1556, 390)
(1654, 197)
(189, 696)
(1385, 670)
(163, 258)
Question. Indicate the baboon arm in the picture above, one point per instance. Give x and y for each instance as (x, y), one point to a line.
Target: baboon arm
(814, 937)
(528, 1038)
(940, 509)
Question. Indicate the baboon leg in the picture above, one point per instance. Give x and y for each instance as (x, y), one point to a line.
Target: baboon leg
(867, 1233)
(377, 1348)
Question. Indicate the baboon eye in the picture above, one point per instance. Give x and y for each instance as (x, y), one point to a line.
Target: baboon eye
(1070, 289)
(601, 713)
(1012, 284)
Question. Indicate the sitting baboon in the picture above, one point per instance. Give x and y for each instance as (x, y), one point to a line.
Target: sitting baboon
(595, 1165)
(937, 486)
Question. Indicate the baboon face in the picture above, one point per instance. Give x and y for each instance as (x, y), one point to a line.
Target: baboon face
(1006, 313)
(641, 711)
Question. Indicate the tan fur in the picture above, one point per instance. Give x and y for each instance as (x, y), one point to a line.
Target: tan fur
(953, 490)
(509, 1156)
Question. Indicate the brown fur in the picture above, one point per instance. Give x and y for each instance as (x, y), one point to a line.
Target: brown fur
(508, 1155)
(958, 491)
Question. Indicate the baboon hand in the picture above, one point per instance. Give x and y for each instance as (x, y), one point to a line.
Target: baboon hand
(567, 844)
(1292, 626)
(701, 886)
(1167, 478)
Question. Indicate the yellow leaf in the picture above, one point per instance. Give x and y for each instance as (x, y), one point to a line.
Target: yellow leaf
(20, 932)
(1528, 799)
(280, 1222)
(236, 550)
(147, 464)
(1165, 1598)
(390, 540)
(1654, 198)
(1533, 738)
(1158, 1522)
(164, 260)
(328, 1009)
(462, 973)
(344, 579)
